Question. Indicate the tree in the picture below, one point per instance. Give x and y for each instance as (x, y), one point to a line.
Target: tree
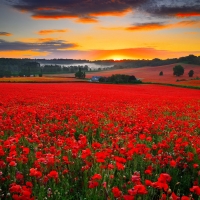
(191, 73)
(161, 73)
(41, 72)
(80, 74)
(178, 70)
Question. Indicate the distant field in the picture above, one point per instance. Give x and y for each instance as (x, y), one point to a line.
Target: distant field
(146, 74)
(151, 74)
(44, 79)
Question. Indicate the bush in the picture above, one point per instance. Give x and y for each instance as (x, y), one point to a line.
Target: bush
(161, 73)
(80, 74)
(191, 73)
(120, 78)
(178, 70)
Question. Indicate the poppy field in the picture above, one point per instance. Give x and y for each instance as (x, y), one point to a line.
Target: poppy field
(84, 141)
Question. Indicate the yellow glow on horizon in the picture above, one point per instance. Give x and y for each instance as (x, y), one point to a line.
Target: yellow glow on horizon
(118, 58)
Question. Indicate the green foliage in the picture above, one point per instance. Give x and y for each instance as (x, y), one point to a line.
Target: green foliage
(191, 73)
(178, 70)
(161, 73)
(80, 74)
(120, 78)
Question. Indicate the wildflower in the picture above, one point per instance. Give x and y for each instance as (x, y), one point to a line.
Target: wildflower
(195, 189)
(53, 174)
(120, 166)
(173, 163)
(93, 184)
(116, 192)
(96, 177)
(13, 164)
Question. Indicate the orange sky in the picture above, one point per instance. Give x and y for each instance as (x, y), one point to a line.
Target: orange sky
(96, 30)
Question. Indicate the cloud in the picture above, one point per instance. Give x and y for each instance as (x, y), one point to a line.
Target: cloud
(88, 11)
(5, 34)
(171, 8)
(49, 31)
(52, 15)
(84, 11)
(154, 26)
(44, 45)
(87, 20)
(146, 27)
(179, 11)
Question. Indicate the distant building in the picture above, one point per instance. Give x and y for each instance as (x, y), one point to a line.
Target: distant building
(95, 78)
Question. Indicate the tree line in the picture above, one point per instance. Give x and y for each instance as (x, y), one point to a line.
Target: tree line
(28, 67)
(121, 64)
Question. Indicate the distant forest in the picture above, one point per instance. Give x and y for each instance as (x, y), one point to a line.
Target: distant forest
(27, 67)
(191, 59)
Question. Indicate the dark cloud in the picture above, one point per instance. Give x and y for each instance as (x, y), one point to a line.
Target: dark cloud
(85, 10)
(46, 45)
(178, 8)
(5, 34)
(184, 11)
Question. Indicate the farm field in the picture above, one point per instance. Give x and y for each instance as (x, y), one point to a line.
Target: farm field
(146, 74)
(151, 74)
(44, 79)
(94, 141)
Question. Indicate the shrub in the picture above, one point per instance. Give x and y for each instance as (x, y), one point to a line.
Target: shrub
(178, 70)
(80, 74)
(120, 78)
(191, 73)
(161, 73)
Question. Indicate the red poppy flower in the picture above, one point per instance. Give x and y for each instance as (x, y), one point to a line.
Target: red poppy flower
(93, 184)
(128, 197)
(96, 177)
(120, 166)
(195, 189)
(53, 174)
(13, 164)
(173, 163)
(116, 192)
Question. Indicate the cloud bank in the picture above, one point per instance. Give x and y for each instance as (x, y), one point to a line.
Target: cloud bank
(87, 11)
(42, 45)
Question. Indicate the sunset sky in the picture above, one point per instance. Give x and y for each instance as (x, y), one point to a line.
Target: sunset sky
(99, 29)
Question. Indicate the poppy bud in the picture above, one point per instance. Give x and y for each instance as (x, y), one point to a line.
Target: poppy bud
(169, 191)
